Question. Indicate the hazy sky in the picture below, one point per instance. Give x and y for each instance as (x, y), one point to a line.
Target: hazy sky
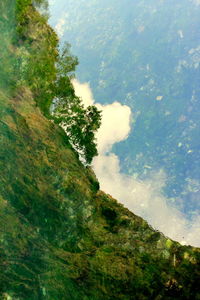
(145, 197)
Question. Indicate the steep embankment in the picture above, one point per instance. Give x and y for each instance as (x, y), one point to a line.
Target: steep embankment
(62, 238)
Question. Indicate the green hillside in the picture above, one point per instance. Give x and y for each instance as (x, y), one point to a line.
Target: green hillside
(60, 236)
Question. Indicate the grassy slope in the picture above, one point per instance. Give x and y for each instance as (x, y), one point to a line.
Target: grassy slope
(62, 238)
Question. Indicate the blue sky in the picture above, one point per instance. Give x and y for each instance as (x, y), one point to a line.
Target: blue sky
(157, 178)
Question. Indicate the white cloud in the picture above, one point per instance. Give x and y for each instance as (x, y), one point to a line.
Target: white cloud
(83, 91)
(59, 28)
(196, 2)
(146, 197)
(115, 125)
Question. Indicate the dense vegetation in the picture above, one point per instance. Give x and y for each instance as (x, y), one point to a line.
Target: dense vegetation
(32, 58)
(60, 237)
(34, 39)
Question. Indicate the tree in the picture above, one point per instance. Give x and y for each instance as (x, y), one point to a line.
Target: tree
(80, 123)
(48, 73)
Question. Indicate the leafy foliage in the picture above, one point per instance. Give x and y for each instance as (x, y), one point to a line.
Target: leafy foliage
(79, 123)
(34, 40)
(40, 67)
